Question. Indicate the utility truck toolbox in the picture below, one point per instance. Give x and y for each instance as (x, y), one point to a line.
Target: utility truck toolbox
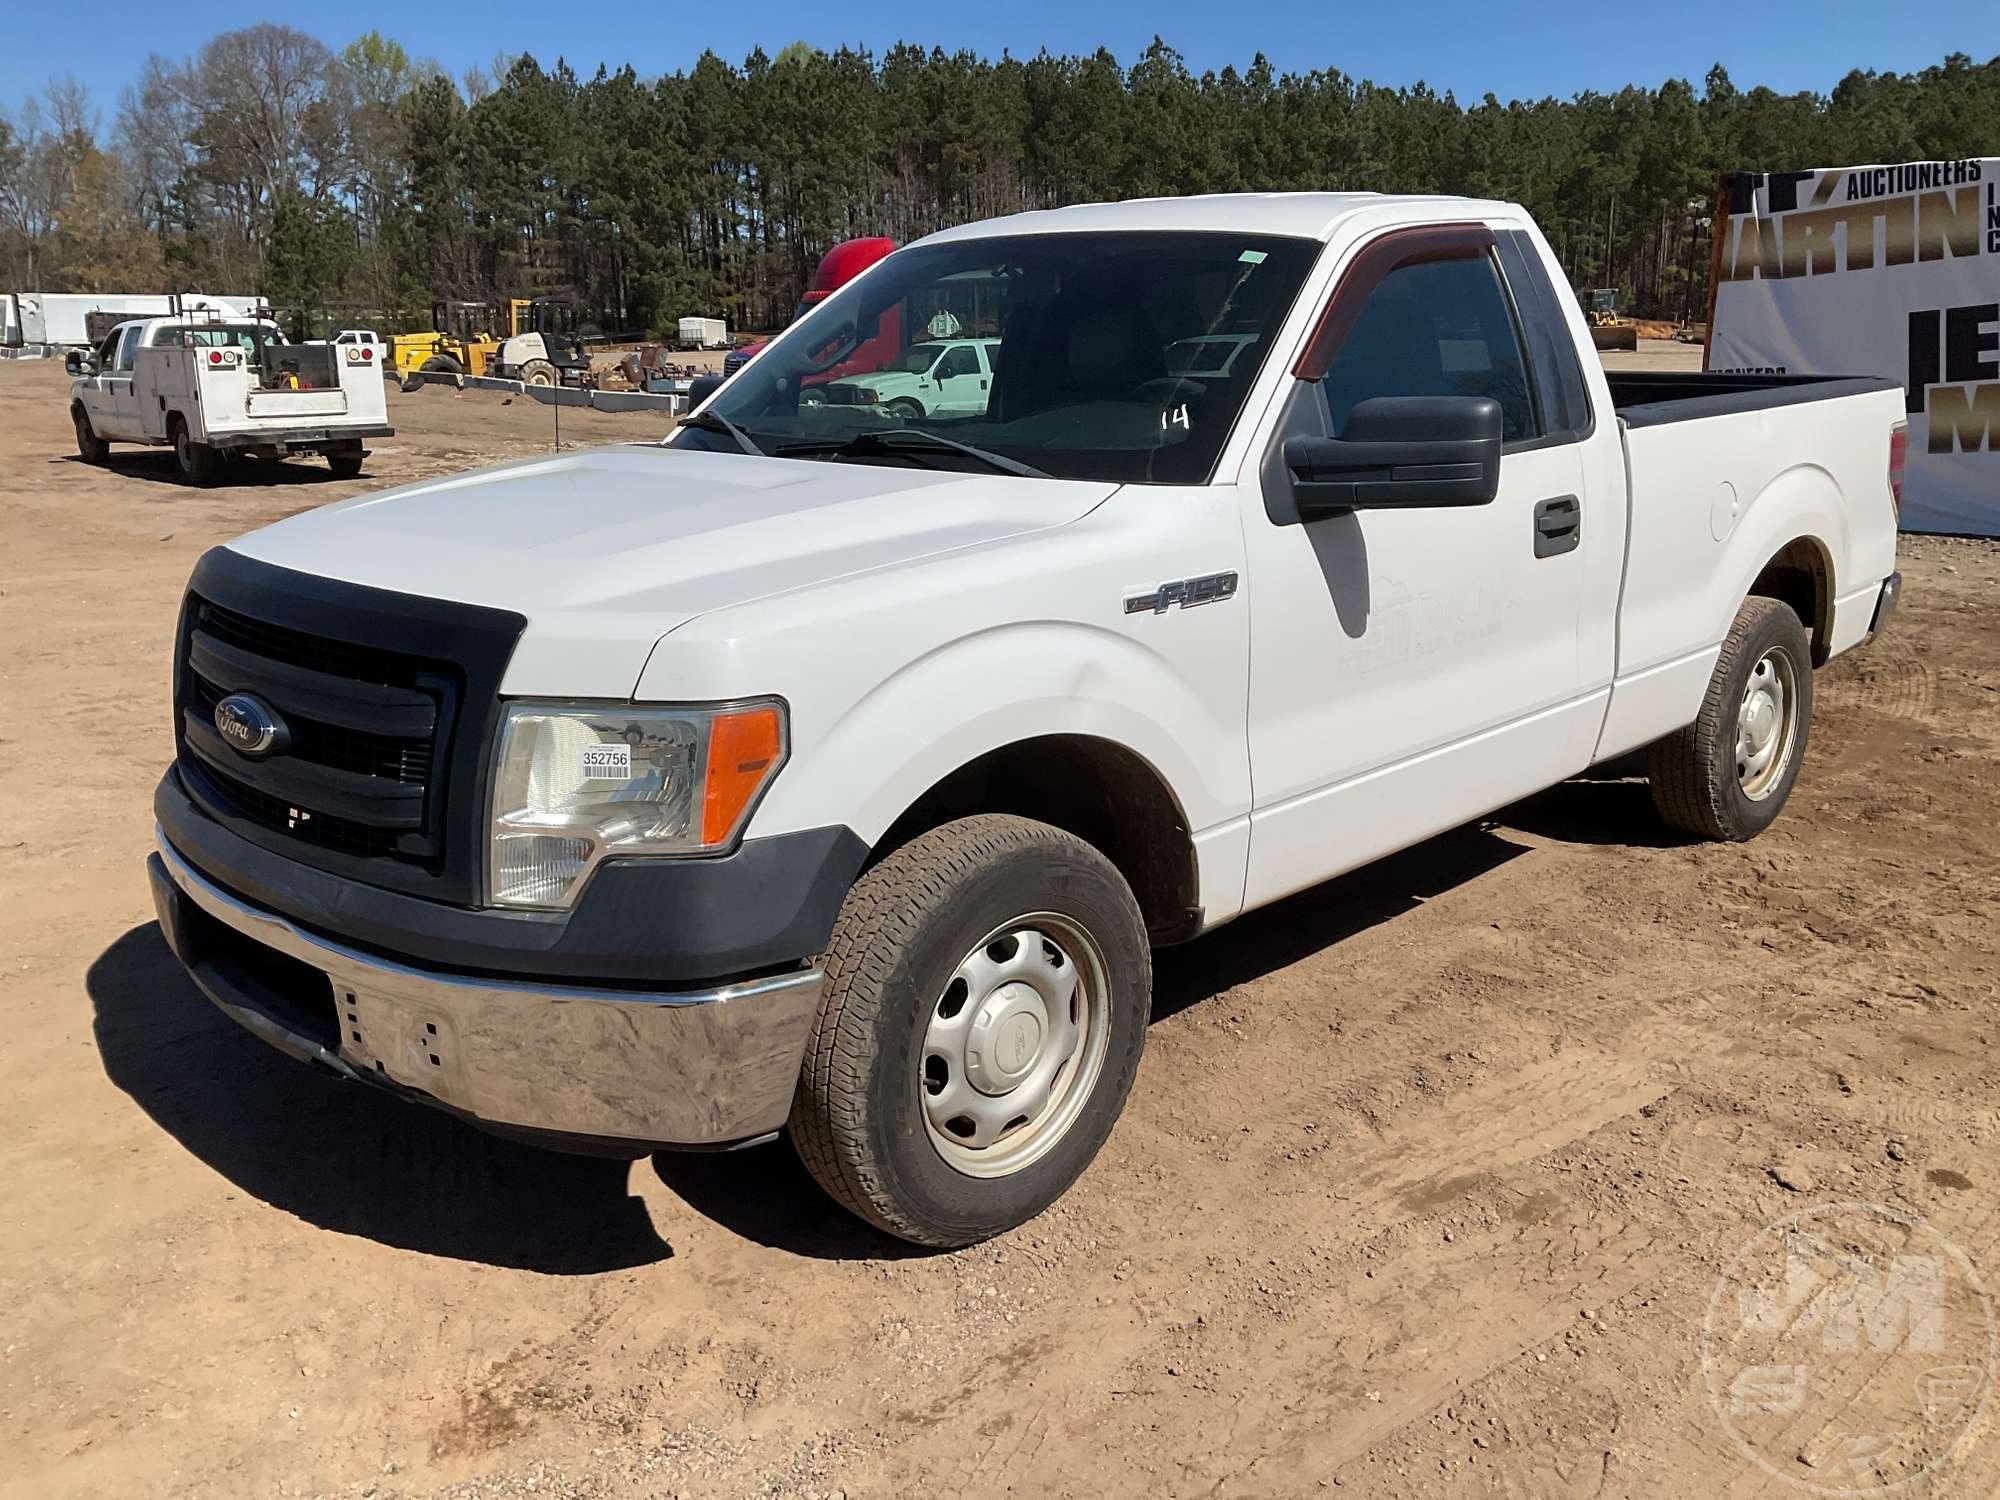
(837, 770)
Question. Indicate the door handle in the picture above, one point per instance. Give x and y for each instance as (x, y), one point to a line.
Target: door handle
(1558, 526)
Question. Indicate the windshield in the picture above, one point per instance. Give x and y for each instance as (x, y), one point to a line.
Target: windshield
(1089, 371)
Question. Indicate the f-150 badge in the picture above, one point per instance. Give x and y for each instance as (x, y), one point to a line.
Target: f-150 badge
(1186, 592)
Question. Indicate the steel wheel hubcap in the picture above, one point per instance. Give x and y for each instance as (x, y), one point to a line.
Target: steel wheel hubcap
(1013, 1045)
(1766, 724)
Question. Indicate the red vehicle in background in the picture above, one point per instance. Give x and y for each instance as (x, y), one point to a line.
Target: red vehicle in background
(837, 267)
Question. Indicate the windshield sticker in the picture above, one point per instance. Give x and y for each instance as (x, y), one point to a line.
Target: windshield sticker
(1252, 257)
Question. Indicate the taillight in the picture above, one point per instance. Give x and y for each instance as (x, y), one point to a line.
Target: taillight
(215, 356)
(1899, 452)
(366, 354)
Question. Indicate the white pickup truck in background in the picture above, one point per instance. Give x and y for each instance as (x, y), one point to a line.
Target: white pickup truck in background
(835, 771)
(208, 385)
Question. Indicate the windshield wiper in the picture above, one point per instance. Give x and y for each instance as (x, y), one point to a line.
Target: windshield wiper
(715, 421)
(861, 444)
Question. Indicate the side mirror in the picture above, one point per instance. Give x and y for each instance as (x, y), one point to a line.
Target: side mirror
(80, 362)
(1400, 451)
(701, 388)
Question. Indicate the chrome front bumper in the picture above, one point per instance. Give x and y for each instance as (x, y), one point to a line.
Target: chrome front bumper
(711, 1067)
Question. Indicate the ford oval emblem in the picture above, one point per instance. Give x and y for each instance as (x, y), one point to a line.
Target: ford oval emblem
(248, 725)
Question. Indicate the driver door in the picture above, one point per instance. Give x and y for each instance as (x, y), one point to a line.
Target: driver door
(123, 400)
(961, 382)
(1414, 667)
(98, 393)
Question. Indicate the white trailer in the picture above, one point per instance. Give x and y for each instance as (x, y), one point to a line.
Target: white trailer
(38, 323)
(703, 333)
(206, 386)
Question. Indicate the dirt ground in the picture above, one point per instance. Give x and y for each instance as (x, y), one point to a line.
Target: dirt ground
(1424, 1188)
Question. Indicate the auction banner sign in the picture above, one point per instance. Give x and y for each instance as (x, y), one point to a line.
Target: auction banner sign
(1889, 271)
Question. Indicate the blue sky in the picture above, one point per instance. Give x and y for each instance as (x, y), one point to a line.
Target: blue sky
(1469, 46)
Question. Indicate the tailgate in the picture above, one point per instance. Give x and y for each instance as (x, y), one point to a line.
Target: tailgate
(284, 405)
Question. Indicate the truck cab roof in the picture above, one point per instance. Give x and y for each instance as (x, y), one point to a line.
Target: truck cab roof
(1314, 216)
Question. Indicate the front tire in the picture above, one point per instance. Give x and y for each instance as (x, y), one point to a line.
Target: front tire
(538, 372)
(987, 992)
(906, 409)
(89, 446)
(1726, 776)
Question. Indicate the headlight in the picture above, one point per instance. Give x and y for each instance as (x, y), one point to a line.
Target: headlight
(573, 785)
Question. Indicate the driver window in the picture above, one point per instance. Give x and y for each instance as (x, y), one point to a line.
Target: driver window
(126, 347)
(959, 361)
(1435, 328)
(107, 355)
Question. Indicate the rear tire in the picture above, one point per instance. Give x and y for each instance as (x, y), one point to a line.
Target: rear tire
(987, 991)
(441, 364)
(89, 446)
(1726, 776)
(195, 461)
(345, 465)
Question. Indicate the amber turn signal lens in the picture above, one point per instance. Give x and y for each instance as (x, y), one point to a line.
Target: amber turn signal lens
(744, 749)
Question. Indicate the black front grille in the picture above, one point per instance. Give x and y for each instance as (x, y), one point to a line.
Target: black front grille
(339, 780)
(405, 760)
(389, 703)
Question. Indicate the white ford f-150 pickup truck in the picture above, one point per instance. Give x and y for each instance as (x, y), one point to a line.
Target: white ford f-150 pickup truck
(207, 385)
(829, 771)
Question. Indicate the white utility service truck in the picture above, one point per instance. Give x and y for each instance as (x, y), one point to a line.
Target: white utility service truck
(210, 386)
(832, 771)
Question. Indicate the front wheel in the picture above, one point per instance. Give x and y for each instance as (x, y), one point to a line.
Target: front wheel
(906, 409)
(538, 372)
(987, 992)
(89, 446)
(1727, 775)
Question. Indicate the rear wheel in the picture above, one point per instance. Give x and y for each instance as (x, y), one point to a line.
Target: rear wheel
(442, 364)
(538, 372)
(89, 446)
(987, 991)
(345, 465)
(1727, 775)
(195, 461)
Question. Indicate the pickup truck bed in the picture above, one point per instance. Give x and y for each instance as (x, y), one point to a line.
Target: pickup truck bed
(1647, 398)
(1719, 466)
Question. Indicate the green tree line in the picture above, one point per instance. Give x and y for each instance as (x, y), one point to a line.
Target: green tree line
(365, 184)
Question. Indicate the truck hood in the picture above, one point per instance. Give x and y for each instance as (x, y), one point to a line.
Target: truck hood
(608, 550)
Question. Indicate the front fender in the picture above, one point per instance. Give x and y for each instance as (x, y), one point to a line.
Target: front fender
(997, 687)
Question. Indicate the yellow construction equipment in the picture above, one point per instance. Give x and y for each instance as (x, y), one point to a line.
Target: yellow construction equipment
(462, 340)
